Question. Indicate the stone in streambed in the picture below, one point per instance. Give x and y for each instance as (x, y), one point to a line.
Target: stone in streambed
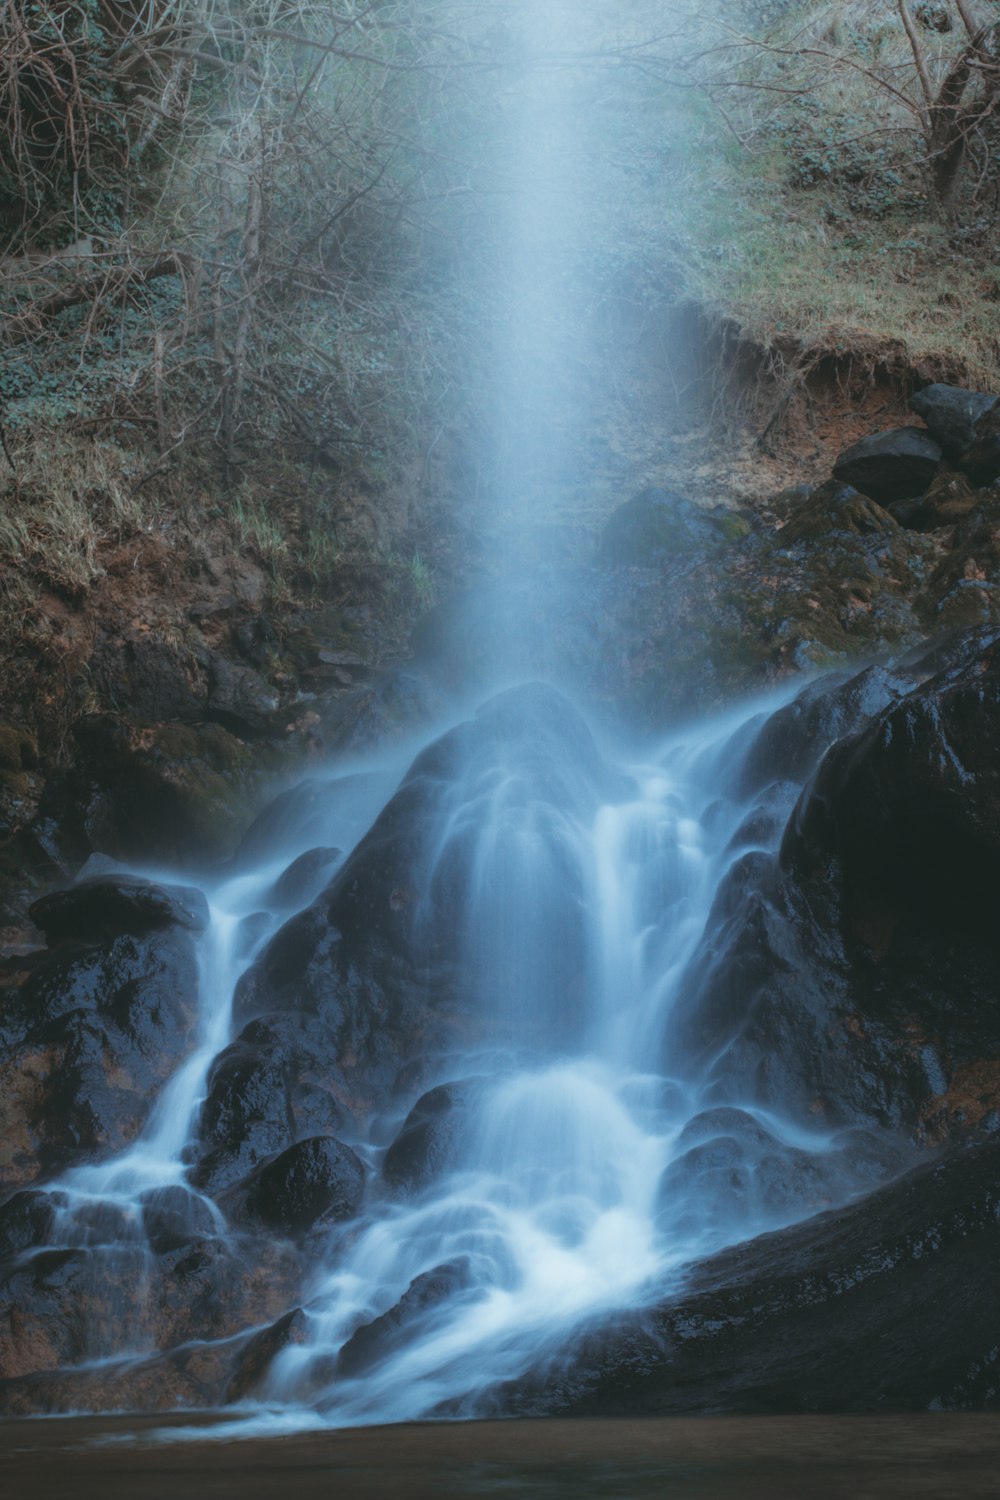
(173, 1217)
(405, 1320)
(315, 1181)
(430, 1141)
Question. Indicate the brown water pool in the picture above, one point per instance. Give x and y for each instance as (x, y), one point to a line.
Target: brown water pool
(720, 1458)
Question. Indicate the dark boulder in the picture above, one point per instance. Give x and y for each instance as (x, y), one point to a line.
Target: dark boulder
(98, 909)
(383, 959)
(407, 1319)
(174, 1217)
(891, 465)
(321, 807)
(951, 414)
(277, 1082)
(64, 1307)
(315, 1181)
(430, 1141)
(173, 793)
(26, 1221)
(910, 809)
(790, 742)
(731, 1173)
(259, 1353)
(848, 980)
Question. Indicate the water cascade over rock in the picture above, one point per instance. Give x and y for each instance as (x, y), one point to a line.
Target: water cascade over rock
(559, 1025)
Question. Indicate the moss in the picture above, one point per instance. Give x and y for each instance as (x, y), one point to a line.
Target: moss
(837, 509)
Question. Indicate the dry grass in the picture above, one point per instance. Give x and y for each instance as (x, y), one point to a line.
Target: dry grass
(784, 235)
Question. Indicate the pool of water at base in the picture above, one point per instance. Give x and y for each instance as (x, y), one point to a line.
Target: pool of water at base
(939, 1456)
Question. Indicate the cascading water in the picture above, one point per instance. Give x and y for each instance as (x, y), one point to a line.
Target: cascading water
(566, 1164)
(540, 1149)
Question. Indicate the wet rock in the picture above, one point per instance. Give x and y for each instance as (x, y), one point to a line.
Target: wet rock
(381, 959)
(777, 1324)
(315, 1181)
(41, 1312)
(432, 1136)
(280, 1081)
(731, 1173)
(910, 808)
(303, 879)
(26, 1221)
(257, 1356)
(192, 1378)
(951, 413)
(406, 1320)
(91, 1030)
(790, 742)
(245, 1119)
(891, 465)
(101, 908)
(390, 710)
(828, 979)
(173, 1218)
(325, 808)
(657, 523)
(65, 1307)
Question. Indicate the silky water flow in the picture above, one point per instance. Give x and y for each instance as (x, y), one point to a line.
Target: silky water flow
(590, 1157)
(593, 1158)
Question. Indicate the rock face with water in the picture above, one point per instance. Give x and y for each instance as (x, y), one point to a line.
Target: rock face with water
(550, 1025)
(878, 1306)
(852, 970)
(92, 1028)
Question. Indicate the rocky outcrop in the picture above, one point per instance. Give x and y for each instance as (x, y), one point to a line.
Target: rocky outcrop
(851, 972)
(92, 1028)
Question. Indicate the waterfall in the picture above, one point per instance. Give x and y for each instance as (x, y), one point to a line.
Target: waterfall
(583, 1166)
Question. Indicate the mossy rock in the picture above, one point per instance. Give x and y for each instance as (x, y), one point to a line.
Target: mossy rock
(836, 508)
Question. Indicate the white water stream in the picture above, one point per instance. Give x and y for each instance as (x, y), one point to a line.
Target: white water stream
(553, 1214)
